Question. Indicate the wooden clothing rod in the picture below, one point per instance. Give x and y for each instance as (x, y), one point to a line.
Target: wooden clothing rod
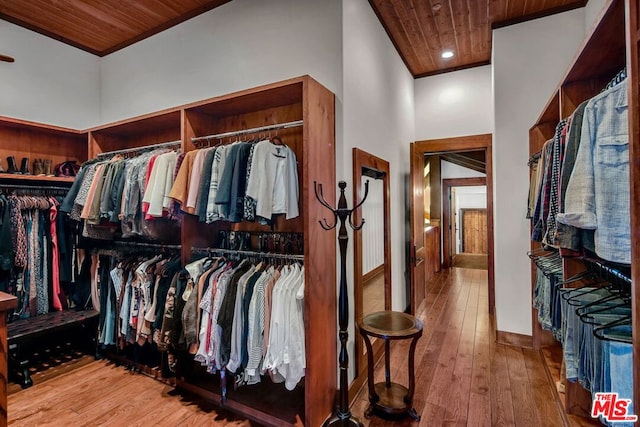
(247, 253)
(287, 125)
(146, 245)
(142, 148)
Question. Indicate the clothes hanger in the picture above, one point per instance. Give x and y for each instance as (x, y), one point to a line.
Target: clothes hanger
(587, 317)
(599, 331)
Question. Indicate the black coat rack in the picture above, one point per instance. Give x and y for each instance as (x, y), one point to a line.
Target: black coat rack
(342, 415)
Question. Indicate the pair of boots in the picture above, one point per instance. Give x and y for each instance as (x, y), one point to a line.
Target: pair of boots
(13, 168)
(42, 167)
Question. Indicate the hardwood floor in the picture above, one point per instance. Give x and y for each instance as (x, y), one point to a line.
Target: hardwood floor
(373, 295)
(99, 393)
(463, 378)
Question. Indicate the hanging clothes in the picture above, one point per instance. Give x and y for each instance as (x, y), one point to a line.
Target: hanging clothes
(31, 261)
(224, 317)
(243, 181)
(582, 183)
(129, 196)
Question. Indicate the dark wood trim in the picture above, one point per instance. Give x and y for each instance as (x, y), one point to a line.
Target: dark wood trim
(363, 159)
(450, 69)
(458, 143)
(548, 12)
(470, 143)
(373, 273)
(41, 127)
(447, 184)
(416, 252)
(490, 229)
(513, 339)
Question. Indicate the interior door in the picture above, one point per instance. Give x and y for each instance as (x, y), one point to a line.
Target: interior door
(474, 231)
(417, 250)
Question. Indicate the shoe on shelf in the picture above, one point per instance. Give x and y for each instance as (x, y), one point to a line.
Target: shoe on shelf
(46, 167)
(38, 167)
(24, 166)
(11, 164)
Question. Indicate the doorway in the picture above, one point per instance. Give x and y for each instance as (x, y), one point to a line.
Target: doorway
(472, 232)
(447, 146)
(460, 195)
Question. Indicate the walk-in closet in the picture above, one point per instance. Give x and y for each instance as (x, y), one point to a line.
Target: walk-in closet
(205, 204)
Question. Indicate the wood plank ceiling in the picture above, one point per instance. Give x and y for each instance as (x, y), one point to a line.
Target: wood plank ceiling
(420, 29)
(102, 26)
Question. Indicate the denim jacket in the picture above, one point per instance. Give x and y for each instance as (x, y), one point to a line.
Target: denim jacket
(597, 196)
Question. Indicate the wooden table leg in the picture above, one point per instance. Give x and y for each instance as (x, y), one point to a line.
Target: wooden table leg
(373, 396)
(412, 379)
(387, 363)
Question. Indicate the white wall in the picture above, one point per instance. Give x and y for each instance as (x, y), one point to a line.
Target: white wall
(377, 115)
(529, 59)
(472, 197)
(242, 44)
(592, 12)
(454, 104)
(450, 170)
(49, 82)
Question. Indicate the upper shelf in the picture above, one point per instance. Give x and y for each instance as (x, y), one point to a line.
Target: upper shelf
(601, 56)
(36, 178)
(603, 53)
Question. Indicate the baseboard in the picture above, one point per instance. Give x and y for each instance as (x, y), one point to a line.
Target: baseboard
(373, 273)
(513, 339)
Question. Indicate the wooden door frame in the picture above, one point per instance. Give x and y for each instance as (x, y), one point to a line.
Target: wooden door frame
(447, 185)
(472, 143)
(362, 159)
(415, 256)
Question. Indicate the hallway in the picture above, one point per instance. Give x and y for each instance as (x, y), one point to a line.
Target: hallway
(462, 376)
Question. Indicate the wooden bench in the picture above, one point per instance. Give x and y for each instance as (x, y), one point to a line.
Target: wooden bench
(23, 331)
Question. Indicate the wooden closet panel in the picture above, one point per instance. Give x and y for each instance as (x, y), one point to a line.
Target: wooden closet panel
(22, 139)
(574, 93)
(599, 59)
(139, 132)
(287, 92)
(320, 253)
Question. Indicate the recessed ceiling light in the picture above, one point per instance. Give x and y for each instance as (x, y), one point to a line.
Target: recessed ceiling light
(447, 54)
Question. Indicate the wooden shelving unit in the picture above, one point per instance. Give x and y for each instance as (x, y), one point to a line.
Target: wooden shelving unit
(601, 57)
(21, 138)
(314, 145)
